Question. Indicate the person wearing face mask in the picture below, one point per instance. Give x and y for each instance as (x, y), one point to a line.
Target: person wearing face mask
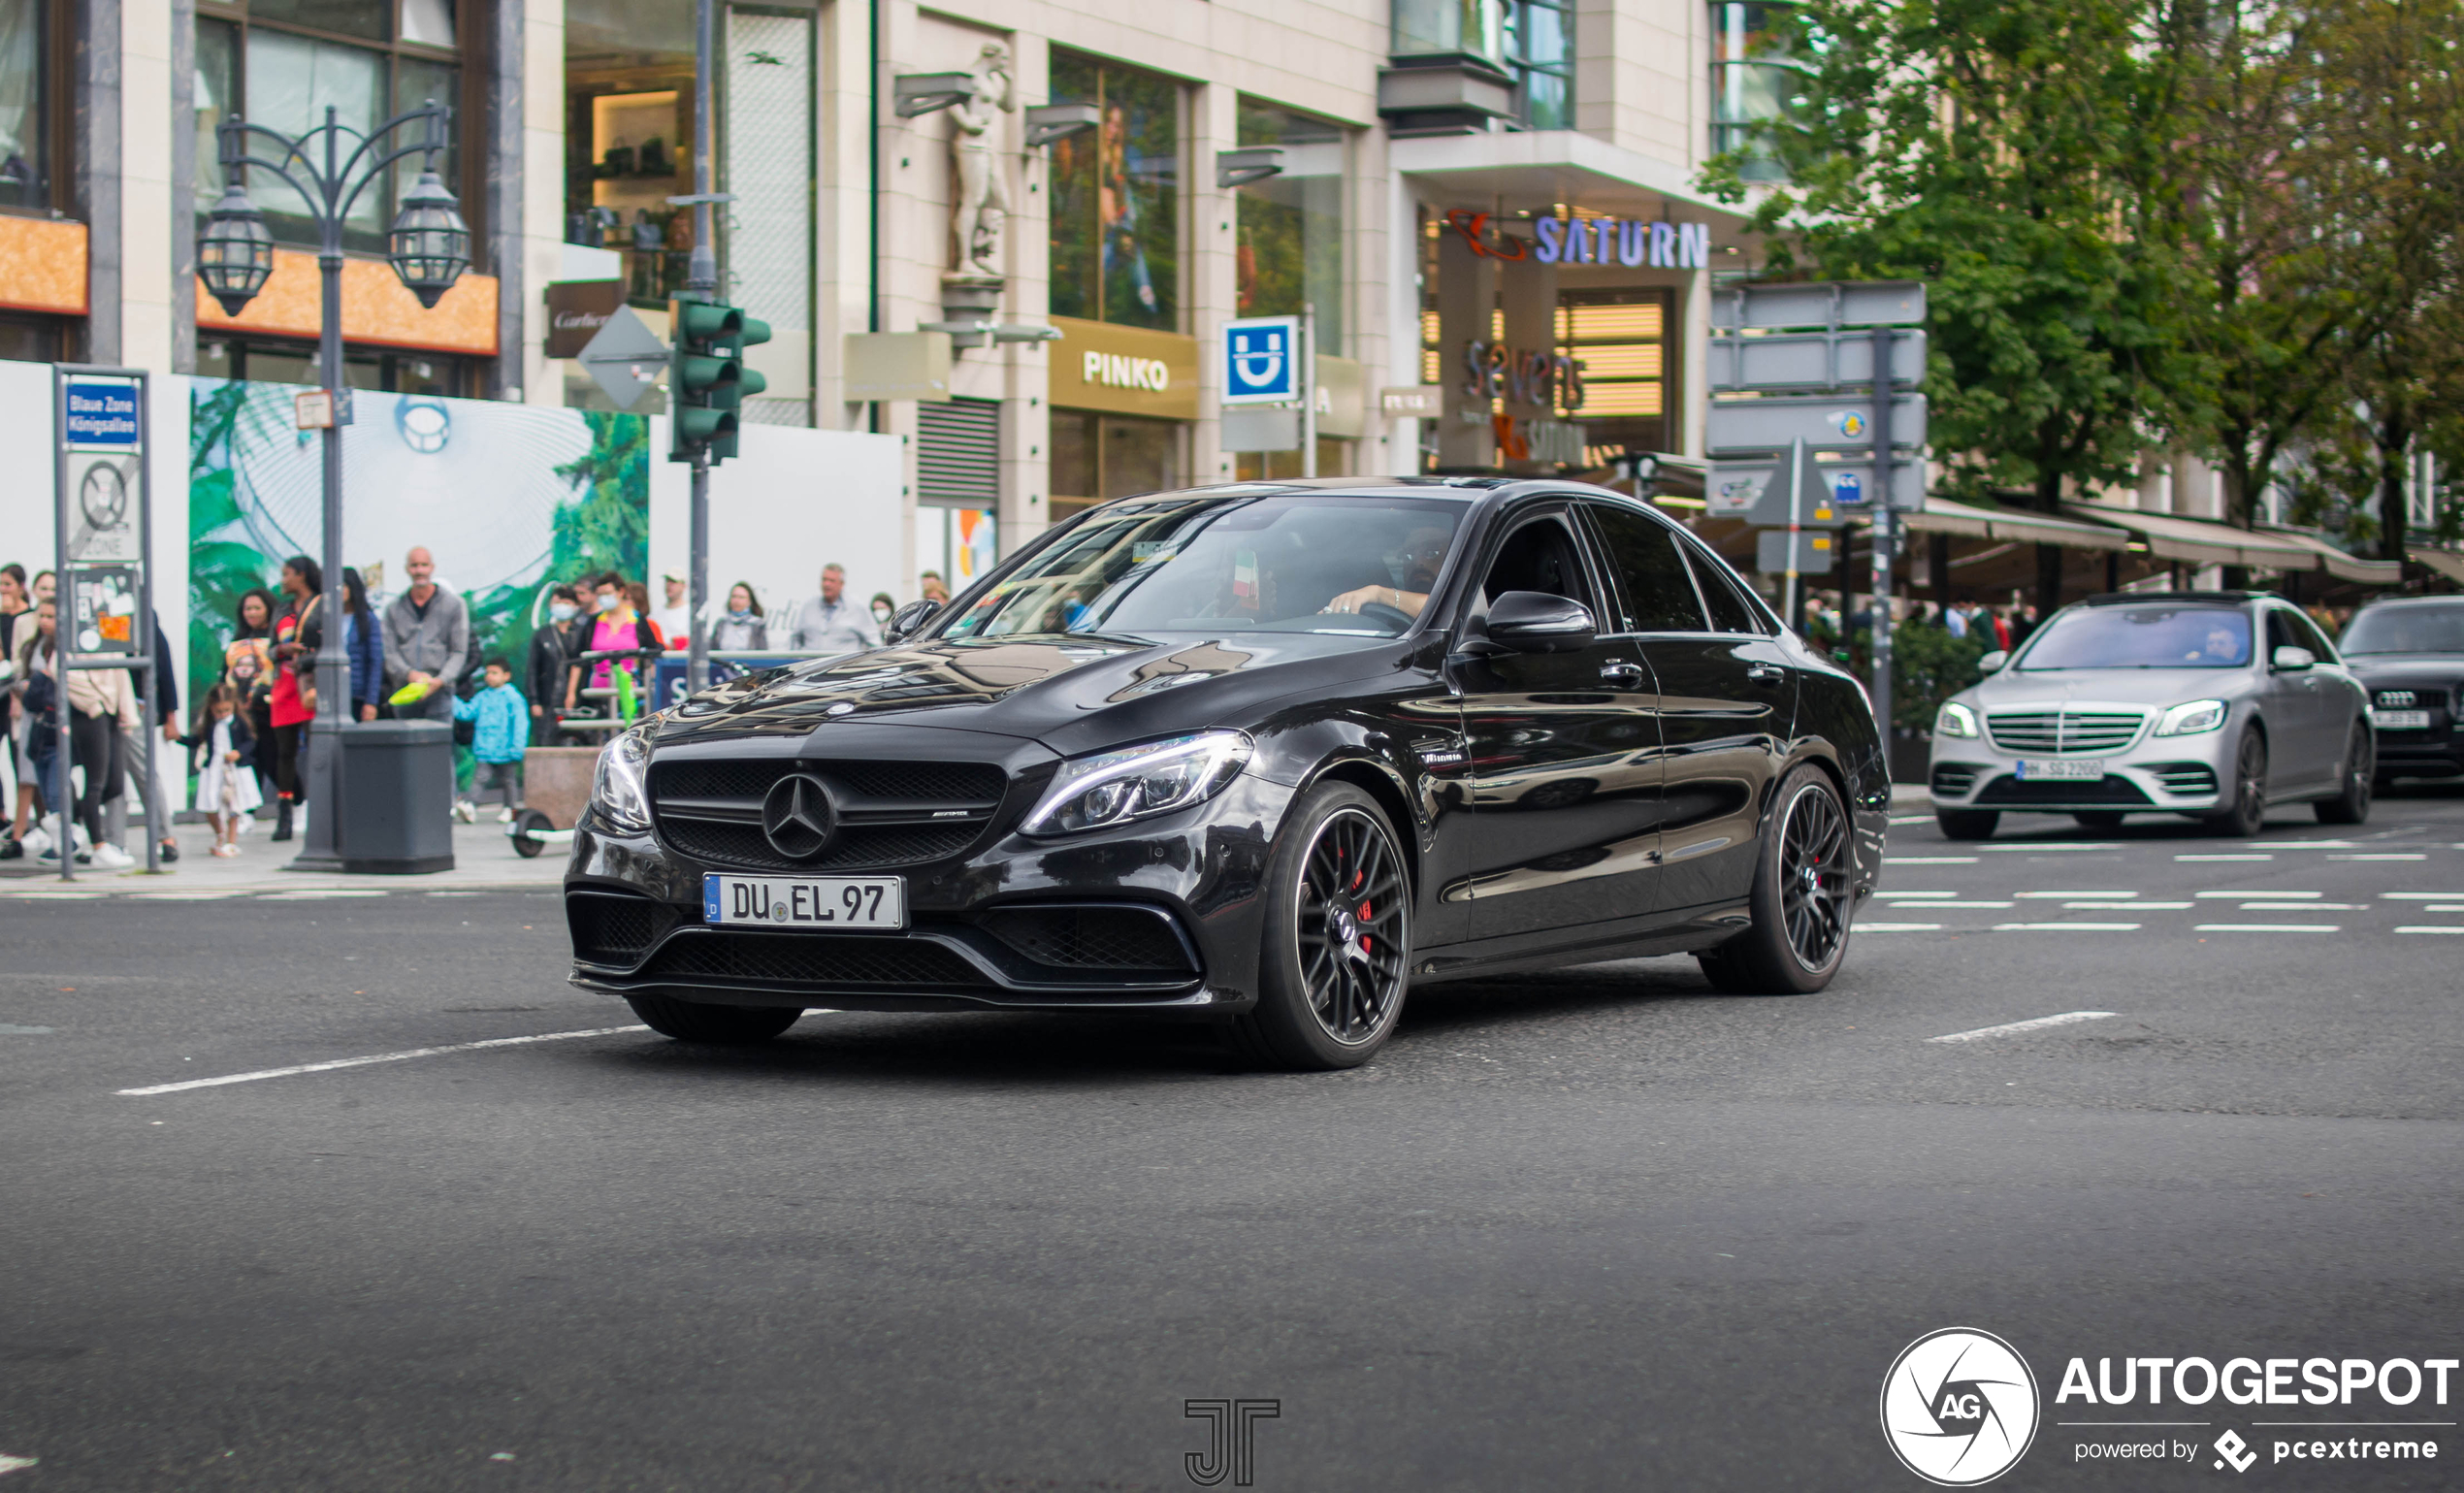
(742, 625)
(551, 659)
(615, 626)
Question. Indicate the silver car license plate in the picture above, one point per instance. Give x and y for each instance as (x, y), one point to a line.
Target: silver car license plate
(804, 902)
(2034, 769)
(2400, 720)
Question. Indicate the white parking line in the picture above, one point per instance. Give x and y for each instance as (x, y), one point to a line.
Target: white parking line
(2267, 928)
(2056, 896)
(362, 1062)
(2066, 927)
(2422, 929)
(1918, 927)
(2245, 893)
(2039, 1024)
(2224, 858)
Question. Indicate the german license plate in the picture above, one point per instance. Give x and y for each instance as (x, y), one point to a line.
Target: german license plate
(2048, 769)
(807, 902)
(2400, 720)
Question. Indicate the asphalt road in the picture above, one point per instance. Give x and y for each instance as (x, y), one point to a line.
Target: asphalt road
(1592, 1230)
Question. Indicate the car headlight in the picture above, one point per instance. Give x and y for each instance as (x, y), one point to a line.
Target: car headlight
(1113, 788)
(2199, 715)
(1955, 720)
(619, 794)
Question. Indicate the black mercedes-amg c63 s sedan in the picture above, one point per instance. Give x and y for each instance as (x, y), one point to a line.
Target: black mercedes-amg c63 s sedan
(1266, 755)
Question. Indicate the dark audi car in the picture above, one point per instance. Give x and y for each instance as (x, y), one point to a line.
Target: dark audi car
(1267, 755)
(2409, 654)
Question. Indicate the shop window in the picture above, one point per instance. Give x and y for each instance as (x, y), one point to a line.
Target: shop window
(629, 78)
(1754, 80)
(26, 127)
(1621, 338)
(30, 339)
(363, 368)
(1334, 460)
(1095, 458)
(1291, 225)
(1116, 197)
(282, 63)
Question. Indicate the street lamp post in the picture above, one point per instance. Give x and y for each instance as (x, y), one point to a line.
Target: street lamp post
(429, 246)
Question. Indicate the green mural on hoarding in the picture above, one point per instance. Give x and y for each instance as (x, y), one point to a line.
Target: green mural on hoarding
(510, 499)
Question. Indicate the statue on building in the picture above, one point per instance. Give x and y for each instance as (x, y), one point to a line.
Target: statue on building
(979, 196)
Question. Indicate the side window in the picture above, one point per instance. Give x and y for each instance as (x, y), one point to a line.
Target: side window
(2281, 633)
(1541, 555)
(1730, 612)
(1659, 592)
(2315, 640)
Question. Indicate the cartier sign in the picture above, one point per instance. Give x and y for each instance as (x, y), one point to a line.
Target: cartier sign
(575, 312)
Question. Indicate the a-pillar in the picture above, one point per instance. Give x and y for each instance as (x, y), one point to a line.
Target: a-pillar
(1467, 309)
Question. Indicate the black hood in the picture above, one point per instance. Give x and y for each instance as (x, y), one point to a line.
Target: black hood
(1118, 688)
(2437, 668)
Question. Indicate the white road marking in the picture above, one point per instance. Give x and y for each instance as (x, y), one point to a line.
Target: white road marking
(2267, 928)
(2272, 896)
(2125, 906)
(2312, 844)
(2423, 896)
(53, 895)
(1925, 904)
(321, 894)
(2424, 929)
(362, 1062)
(1920, 927)
(208, 895)
(2224, 858)
(2443, 909)
(2305, 907)
(7, 1030)
(2007, 1029)
(2406, 857)
(2056, 896)
(2065, 928)
(1929, 861)
(9, 1464)
(1910, 819)
(1949, 893)
(2116, 845)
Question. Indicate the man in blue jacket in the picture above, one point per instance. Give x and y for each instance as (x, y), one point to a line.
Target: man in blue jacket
(501, 731)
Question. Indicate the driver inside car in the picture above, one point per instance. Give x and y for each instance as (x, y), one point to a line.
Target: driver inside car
(1418, 566)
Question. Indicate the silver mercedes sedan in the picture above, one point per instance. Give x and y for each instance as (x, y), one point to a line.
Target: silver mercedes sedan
(2209, 703)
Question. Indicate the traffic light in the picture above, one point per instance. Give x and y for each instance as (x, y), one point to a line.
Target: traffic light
(707, 381)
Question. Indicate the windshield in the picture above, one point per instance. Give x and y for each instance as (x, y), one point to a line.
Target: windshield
(2143, 637)
(2405, 629)
(1205, 564)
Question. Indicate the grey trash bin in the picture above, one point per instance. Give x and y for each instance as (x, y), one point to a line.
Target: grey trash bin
(397, 797)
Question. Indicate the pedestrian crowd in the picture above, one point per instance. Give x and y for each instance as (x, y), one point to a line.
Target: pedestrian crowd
(246, 745)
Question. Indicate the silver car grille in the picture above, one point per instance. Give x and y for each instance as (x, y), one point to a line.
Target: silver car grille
(2064, 732)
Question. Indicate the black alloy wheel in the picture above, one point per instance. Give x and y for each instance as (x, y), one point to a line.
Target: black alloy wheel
(2247, 813)
(1802, 898)
(693, 1020)
(2351, 803)
(1337, 959)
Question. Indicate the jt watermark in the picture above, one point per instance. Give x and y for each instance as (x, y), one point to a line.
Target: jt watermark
(1231, 1439)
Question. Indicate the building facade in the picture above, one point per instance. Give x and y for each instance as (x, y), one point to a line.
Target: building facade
(1488, 201)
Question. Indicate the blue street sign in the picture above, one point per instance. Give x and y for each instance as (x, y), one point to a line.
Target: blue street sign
(101, 414)
(1261, 360)
(1847, 488)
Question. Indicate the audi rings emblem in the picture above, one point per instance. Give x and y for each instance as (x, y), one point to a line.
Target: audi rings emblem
(798, 817)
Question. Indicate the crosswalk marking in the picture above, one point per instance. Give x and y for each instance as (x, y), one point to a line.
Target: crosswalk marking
(2056, 896)
(2224, 858)
(2065, 928)
(2428, 929)
(1901, 928)
(2261, 893)
(2268, 928)
(2134, 906)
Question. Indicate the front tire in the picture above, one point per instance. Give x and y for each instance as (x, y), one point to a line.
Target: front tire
(693, 1020)
(2351, 803)
(2248, 814)
(1337, 956)
(1966, 824)
(1801, 897)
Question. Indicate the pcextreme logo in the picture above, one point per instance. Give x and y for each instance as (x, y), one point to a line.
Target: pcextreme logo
(1959, 1407)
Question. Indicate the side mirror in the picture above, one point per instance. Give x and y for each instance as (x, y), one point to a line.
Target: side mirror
(1992, 663)
(2291, 658)
(909, 619)
(1536, 622)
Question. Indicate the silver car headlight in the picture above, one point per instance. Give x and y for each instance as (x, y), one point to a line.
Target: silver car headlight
(2199, 715)
(1113, 788)
(1955, 720)
(620, 795)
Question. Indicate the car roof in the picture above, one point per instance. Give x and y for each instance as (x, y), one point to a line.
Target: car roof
(2377, 604)
(2209, 598)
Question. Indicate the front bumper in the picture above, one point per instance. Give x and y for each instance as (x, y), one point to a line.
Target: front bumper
(2152, 774)
(1160, 917)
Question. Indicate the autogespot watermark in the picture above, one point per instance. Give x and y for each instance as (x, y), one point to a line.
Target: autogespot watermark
(1960, 1406)
(1231, 1440)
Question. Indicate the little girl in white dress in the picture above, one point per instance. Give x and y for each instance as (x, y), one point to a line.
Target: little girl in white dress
(226, 786)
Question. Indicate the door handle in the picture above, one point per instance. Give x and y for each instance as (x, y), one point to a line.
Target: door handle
(1762, 673)
(1623, 674)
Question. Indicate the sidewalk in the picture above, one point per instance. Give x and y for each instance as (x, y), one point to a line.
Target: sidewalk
(483, 858)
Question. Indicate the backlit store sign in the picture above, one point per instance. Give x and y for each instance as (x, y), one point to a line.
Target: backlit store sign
(1598, 241)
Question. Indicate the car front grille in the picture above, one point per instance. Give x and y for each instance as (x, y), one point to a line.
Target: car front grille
(2064, 732)
(615, 928)
(1955, 778)
(2011, 792)
(2408, 699)
(889, 813)
(1107, 938)
(2185, 778)
(846, 961)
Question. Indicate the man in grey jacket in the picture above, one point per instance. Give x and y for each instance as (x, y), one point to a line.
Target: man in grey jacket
(427, 639)
(829, 623)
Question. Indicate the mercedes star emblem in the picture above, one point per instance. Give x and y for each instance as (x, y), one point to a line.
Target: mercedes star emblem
(797, 816)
